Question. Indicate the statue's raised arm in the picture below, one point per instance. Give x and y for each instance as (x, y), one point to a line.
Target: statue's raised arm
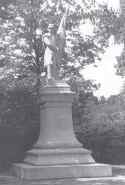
(61, 32)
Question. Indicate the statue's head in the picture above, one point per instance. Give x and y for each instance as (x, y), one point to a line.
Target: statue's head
(51, 28)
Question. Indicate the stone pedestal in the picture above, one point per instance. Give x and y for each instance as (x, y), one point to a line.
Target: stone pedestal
(57, 153)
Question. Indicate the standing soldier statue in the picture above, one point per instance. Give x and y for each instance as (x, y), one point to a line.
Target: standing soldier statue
(55, 43)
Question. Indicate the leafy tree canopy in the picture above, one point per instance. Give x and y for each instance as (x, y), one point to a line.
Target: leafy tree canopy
(23, 24)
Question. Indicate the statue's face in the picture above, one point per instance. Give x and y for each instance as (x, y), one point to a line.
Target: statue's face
(51, 29)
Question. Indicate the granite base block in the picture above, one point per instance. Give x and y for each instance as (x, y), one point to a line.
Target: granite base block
(31, 172)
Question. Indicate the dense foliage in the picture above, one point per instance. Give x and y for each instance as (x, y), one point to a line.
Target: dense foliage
(102, 127)
(26, 22)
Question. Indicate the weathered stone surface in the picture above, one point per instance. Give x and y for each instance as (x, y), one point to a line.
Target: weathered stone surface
(56, 128)
(57, 153)
(117, 179)
(61, 171)
(59, 156)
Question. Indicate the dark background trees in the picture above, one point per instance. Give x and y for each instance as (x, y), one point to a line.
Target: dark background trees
(101, 127)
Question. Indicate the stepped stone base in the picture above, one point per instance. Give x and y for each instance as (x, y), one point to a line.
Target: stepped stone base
(59, 156)
(60, 163)
(57, 153)
(30, 172)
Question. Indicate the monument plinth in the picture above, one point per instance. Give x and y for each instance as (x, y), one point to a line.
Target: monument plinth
(57, 153)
